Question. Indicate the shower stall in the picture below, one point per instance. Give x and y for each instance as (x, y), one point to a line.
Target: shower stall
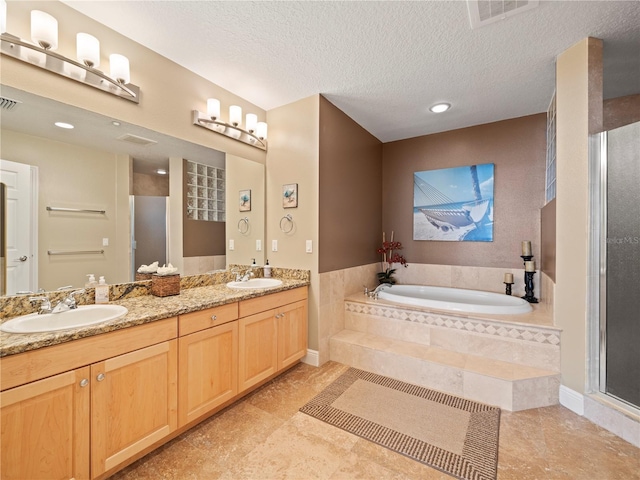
(615, 167)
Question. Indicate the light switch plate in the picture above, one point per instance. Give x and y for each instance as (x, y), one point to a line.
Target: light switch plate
(274, 245)
(258, 245)
(232, 244)
(105, 242)
(309, 246)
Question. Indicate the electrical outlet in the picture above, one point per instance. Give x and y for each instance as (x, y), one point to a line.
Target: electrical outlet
(232, 244)
(105, 242)
(309, 246)
(258, 245)
(274, 245)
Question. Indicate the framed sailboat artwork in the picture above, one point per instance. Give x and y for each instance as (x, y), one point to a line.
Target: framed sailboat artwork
(454, 204)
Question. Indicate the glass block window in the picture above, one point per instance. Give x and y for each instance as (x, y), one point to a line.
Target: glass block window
(550, 183)
(205, 192)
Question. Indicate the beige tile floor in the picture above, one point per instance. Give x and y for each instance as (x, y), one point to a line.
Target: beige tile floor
(263, 436)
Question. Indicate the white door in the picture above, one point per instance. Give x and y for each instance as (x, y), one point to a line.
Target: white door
(20, 235)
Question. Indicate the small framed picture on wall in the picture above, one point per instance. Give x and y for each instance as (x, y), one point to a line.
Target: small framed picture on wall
(245, 200)
(290, 195)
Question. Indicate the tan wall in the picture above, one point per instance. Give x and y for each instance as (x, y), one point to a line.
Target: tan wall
(70, 176)
(350, 185)
(293, 158)
(516, 147)
(578, 99)
(168, 91)
(620, 111)
(243, 174)
(150, 185)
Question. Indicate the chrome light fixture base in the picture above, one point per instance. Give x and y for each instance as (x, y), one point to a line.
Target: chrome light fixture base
(17, 48)
(228, 130)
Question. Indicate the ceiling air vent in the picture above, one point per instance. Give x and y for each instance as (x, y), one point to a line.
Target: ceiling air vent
(136, 139)
(484, 12)
(8, 104)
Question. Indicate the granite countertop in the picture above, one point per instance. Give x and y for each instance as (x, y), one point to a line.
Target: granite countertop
(143, 309)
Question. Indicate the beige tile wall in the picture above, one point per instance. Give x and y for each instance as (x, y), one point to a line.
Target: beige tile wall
(336, 285)
(198, 265)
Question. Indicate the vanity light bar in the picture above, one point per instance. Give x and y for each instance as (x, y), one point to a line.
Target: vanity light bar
(35, 55)
(227, 129)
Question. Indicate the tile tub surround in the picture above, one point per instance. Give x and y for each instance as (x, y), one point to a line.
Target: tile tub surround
(148, 308)
(512, 362)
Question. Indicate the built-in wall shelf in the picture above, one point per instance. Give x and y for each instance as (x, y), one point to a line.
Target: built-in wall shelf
(205, 192)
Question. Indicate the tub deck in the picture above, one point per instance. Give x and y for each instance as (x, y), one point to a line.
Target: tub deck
(512, 361)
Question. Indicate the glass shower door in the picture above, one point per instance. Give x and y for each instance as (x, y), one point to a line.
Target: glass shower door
(620, 295)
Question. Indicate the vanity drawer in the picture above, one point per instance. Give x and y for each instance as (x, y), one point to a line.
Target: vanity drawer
(211, 317)
(271, 301)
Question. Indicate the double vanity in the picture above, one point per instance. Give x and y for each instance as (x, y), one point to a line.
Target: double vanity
(85, 402)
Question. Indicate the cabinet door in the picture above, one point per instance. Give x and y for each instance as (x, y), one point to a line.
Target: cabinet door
(292, 333)
(258, 348)
(133, 403)
(208, 370)
(45, 428)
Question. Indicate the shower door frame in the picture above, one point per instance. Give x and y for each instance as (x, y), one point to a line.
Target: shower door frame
(597, 274)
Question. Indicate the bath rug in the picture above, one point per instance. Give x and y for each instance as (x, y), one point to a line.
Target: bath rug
(449, 433)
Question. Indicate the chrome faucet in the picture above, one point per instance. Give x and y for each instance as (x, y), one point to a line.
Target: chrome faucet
(69, 303)
(243, 277)
(45, 304)
(374, 293)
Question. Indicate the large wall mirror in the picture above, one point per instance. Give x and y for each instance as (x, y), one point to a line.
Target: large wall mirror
(94, 199)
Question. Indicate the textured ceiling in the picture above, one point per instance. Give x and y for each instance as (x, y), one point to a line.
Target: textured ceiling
(382, 63)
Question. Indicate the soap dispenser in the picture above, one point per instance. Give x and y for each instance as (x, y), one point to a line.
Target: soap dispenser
(266, 270)
(91, 282)
(102, 291)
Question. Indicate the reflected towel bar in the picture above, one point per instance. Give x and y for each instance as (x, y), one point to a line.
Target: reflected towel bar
(74, 210)
(75, 252)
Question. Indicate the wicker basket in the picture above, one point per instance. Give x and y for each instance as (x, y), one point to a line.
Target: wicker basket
(165, 285)
(142, 276)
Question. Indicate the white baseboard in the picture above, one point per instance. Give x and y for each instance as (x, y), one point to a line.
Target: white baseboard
(571, 399)
(312, 358)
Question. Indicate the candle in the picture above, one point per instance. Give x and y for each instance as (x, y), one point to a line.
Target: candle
(530, 266)
(508, 278)
(526, 248)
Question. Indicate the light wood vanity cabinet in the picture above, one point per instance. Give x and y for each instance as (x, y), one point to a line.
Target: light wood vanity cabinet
(258, 348)
(82, 409)
(208, 364)
(133, 403)
(273, 334)
(45, 428)
(78, 424)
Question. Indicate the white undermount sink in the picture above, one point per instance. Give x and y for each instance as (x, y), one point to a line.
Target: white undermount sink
(50, 322)
(256, 283)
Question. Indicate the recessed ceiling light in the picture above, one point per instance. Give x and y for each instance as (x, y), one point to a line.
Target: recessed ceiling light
(440, 107)
(161, 171)
(64, 125)
(115, 124)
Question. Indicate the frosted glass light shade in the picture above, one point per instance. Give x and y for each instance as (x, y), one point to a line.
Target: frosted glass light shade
(251, 121)
(3, 16)
(213, 108)
(44, 30)
(88, 50)
(261, 131)
(119, 68)
(235, 115)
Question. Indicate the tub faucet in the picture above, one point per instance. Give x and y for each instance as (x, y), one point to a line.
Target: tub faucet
(374, 293)
(68, 303)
